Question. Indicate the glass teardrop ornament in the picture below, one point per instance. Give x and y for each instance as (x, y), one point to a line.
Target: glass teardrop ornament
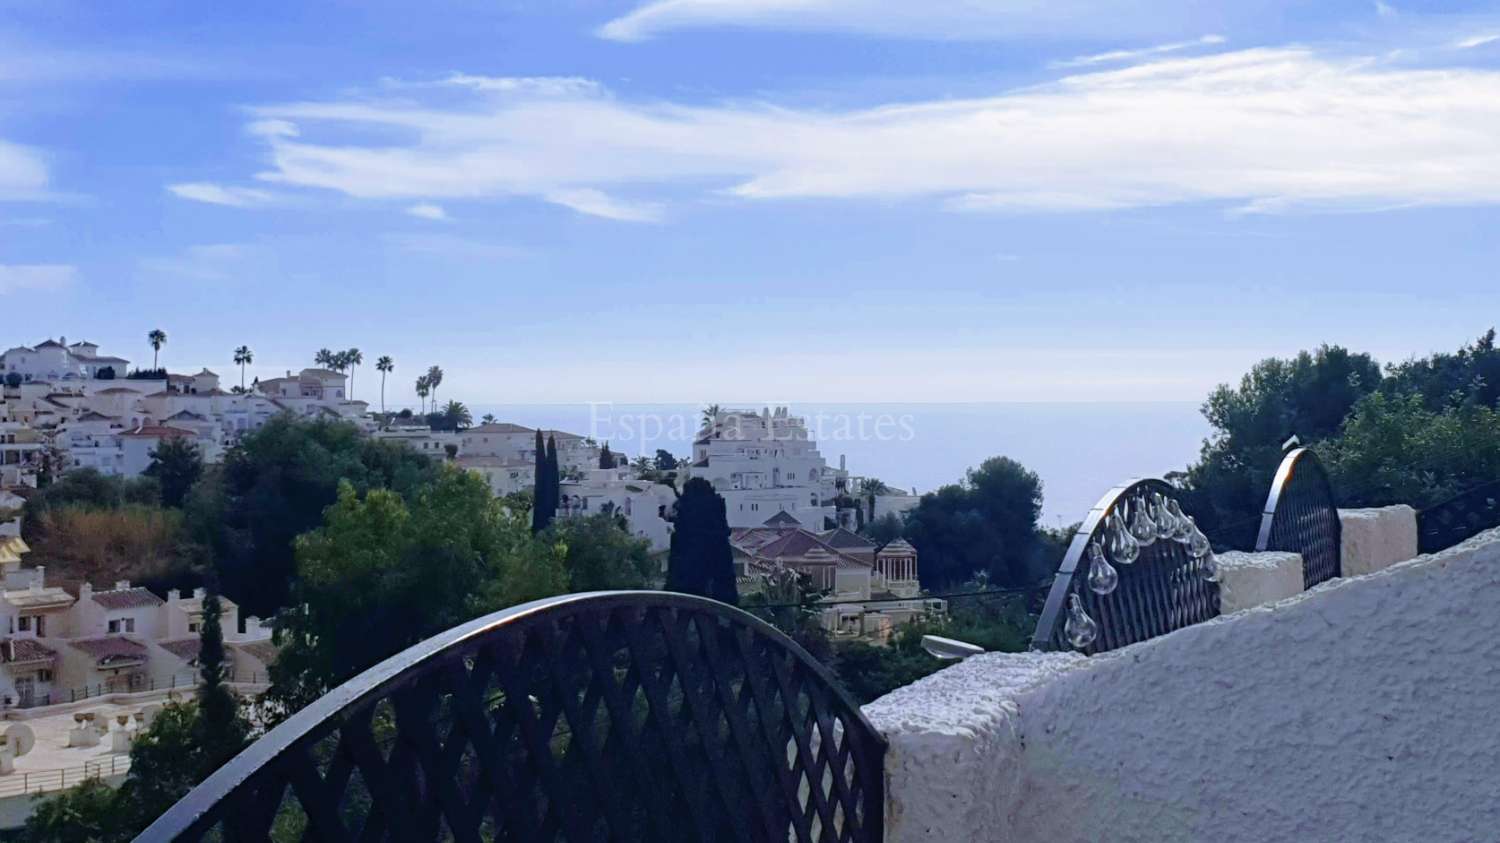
(1198, 544)
(1210, 567)
(1141, 525)
(1161, 517)
(1123, 547)
(1103, 578)
(1080, 629)
(1182, 528)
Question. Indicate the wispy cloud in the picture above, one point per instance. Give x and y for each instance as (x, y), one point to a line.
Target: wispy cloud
(586, 200)
(1272, 128)
(15, 278)
(219, 194)
(209, 262)
(23, 173)
(455, 247)
(428, 211)
(1116, 56)
(940, 19)
(1476, 41)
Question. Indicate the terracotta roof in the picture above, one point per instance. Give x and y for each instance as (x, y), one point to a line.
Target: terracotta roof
(126, 598)
(318, 373)
(25, 598)
(108, 359)
(156, 431)
(187, 414)
(783, 519)
(115, 390)
(25, 650)
(262, 650)
(186, 648)
(93, 416)
(899, 546)
(50, 344)
(110, 648)
(845, 540)
(82, 342)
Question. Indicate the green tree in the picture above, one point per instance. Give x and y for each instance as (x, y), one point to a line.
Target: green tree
(700, 560)
(156, 338)
(434, 380)
(1308, 396)
(599, 554)
(353, 359)
(1394, 449)
(274, 485)
(243, 356)
(986, 523)
(86, 813)
(381, 574)
(710, 413)
(176, 463)
(326, 358)
(885, 529)
(385, 365)
(1469, 376)
(665, 461)
(544, 485)
(222, 730)
(606, 457)
(489, 418)
(424, 388)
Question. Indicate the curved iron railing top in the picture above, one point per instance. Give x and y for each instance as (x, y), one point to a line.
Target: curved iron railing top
(610, 715)
(1136, 569)
(1302, 517)
(1460, 517)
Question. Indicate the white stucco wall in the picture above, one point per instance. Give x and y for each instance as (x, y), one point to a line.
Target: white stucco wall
(1247, 580)
(1375, 539)
(1357, 711)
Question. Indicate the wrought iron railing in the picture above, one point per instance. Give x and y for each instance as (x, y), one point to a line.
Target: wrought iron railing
(1460, 517)
(1136, 569)
(1302, 517)
(23, 782)
(606, 716)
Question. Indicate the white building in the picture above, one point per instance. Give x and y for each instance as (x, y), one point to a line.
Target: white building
(644, 505)
(56, 361)
(765, 463)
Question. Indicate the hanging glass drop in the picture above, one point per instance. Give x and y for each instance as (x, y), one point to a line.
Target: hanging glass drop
(1123, 547)
(1103, 578)
(1182, 528)
(1141, 525)
(1210, 567)
(1160, 516)
(1198, 543)
(1080, 629)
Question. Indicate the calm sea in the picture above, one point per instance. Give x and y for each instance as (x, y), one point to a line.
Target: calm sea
(1079, 450)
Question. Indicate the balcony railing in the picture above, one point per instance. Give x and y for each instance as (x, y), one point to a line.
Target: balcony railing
(605, 716)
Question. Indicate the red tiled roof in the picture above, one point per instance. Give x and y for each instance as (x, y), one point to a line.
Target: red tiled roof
(126, 598)
(25, 650)
(262, 650)
(110, 648)
(846, 540)
(186, 649)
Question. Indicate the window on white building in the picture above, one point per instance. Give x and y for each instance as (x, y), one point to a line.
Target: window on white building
(122, 625)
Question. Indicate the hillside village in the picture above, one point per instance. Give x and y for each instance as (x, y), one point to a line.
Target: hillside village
(69, 407)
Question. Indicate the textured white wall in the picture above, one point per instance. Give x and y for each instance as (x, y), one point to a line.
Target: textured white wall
(1362, 710)
(1375, 539)
(1247, 580)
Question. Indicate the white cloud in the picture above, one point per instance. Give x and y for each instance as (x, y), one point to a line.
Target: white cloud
(586, 200)
(219, 194)
(457, 248)
(1117, 56)
(428, 211)
(209, 262)
(42, 277)
(1272, 128)
(943, 19)
(23, 174)
(1476, 41)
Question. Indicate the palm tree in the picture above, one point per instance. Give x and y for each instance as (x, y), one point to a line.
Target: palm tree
(872, 487)
(489, 418)
(157, 338)
(352, 358)
(242, 356)
(435, 379)
(457, 415)
(385, 365)
(325, 358)
(424, 386)
(710, 413)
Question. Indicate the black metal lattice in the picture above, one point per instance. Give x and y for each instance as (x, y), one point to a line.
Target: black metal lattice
(1166, 588)
(590, 717)
(1462, 516)
(1301, 517)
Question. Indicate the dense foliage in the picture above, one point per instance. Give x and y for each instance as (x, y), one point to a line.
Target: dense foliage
(274, 486)
(700, 560)
(600, 554)
(176, 465)
(987, 524)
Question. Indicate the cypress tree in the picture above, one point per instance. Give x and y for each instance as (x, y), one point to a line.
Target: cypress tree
(222, 731)
(700, 560)
(606, 459)
(539, 514)
(554, 479)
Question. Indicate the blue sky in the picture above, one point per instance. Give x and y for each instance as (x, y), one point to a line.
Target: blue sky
(754, 200)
